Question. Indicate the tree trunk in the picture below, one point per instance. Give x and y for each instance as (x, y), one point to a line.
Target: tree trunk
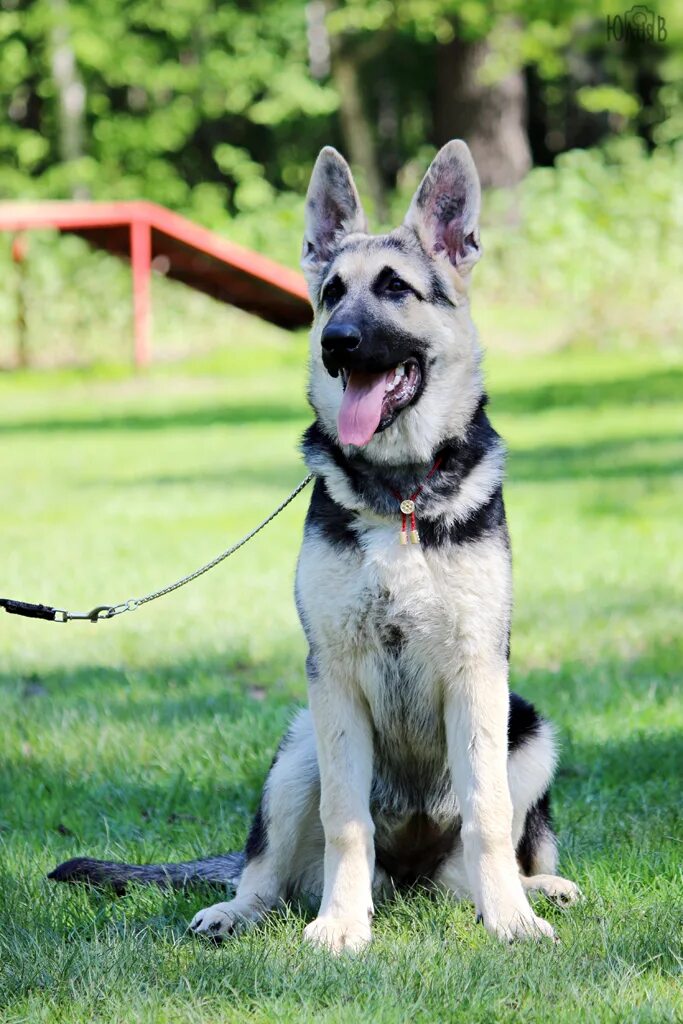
(356, 127)
(344, 55)
(491, 118)
(19, 253)
(70, 91)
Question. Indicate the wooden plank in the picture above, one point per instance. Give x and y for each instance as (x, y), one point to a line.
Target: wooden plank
(200, 258)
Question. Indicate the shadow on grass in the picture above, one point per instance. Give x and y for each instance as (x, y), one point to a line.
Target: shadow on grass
(217, 716)
(284, 475)
(230, 413)
(646, 458)
(606, 460)
(660, 386)
(164, 695)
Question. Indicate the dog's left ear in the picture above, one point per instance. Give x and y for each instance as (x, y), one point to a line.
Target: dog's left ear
(445, 209)
(333, 209)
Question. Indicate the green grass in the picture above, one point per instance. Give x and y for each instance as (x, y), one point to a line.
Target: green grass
(148, 737)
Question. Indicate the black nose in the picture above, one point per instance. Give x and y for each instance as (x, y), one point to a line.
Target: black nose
(340, 338)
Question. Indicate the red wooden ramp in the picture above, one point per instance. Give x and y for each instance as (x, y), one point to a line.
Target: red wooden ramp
(150, 235)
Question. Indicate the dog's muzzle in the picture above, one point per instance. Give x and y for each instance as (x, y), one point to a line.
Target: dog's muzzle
(381, 375)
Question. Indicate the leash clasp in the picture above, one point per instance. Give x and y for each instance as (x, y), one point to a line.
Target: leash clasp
(102, 611)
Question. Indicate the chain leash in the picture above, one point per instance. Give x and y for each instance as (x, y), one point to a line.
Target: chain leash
(108, 611)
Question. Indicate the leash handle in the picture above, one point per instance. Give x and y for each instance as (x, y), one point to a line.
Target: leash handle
(50, 614)
(109, 611)
(30, 611)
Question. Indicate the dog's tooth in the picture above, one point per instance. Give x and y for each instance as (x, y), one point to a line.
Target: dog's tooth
(400, 371)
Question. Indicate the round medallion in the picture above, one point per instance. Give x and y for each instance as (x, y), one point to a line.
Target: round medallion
(407, 507)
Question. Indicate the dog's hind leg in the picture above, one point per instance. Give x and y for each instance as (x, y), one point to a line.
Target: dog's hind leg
(553, 887)
(529, 766)
(284, 851)
(537, 857)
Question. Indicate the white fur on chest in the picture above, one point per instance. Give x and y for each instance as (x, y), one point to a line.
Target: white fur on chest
(353, 598)
(380, 618)
(377, 619)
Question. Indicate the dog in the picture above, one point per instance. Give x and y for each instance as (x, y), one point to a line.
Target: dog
(414, 764)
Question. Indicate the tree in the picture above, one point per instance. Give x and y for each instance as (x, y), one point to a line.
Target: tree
(70, 90)
(490, 115)
(218, 109)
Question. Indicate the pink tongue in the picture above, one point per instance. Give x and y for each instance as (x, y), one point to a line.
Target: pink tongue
(361, 408)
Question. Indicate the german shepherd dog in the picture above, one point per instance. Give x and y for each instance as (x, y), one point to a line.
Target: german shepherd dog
(414, 764)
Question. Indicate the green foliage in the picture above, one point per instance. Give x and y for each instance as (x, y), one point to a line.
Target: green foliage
(607, 98)
(213, 110)
(149, 736)
(598, 242)
(186, 104)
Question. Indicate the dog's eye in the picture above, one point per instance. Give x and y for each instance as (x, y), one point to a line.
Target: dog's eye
(389, 283)
(333, 292)
(396, 285)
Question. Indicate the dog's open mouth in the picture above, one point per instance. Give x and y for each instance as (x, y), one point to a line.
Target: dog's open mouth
(372, 400)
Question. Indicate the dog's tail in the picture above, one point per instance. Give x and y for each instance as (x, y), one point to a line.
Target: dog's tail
(224, 870)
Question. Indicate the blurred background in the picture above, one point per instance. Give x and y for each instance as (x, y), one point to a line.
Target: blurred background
(217, 110)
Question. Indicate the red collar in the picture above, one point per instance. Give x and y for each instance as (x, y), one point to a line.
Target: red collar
(407, 507)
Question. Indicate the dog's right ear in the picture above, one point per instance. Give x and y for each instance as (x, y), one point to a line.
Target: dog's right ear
(445, 209)
(333, 209)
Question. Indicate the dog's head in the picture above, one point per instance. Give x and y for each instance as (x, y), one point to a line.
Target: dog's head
(394, 354)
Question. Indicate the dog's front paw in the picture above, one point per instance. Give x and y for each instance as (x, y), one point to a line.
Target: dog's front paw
(517, 921)
(219, 921)
(338, 934)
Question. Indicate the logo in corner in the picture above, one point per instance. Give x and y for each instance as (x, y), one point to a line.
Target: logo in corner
(640, 25)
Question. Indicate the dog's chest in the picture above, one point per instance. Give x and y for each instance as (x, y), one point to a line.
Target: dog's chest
(396, 599)
(404, 638)
(386, 615)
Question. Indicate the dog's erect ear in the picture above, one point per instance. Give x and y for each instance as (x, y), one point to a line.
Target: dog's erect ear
(333, 209)
(445, 209)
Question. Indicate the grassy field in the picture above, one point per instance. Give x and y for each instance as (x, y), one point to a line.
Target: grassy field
(148, 737)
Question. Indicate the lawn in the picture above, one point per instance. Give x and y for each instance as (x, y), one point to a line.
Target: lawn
(148, 737)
